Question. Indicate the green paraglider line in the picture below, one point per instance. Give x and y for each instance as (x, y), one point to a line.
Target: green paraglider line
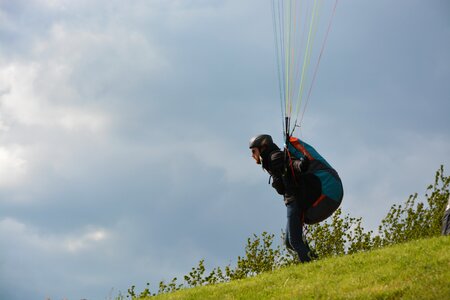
(295, 26)
(306, 58)
(318, 62)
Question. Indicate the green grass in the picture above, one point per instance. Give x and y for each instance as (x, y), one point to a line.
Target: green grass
(415, 270)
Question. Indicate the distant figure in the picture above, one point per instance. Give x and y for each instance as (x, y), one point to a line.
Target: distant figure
(446, 220)
(311, 188)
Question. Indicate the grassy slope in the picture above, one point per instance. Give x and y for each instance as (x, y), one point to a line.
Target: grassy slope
(416, 270)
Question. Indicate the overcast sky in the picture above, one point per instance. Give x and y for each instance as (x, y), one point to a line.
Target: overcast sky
(124, 129)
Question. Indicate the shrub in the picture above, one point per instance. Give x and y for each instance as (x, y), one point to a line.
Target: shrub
(415, 220)
(338, 236)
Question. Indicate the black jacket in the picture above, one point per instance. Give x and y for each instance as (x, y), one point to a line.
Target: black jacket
(290, 177)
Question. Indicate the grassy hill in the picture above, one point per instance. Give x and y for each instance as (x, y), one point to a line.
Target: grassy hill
(415, 270)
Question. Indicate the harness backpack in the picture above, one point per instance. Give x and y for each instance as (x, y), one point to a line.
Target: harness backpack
(331, 185)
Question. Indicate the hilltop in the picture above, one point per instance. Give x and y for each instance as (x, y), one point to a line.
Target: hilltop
(414, 270)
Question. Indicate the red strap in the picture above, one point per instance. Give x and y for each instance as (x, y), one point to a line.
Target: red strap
(297, 145)
(320, 199)
(291, 167)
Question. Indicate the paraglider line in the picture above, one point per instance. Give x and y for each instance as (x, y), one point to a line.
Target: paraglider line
(318, 61)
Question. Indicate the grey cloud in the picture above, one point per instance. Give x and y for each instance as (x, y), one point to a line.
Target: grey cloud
(180, 87)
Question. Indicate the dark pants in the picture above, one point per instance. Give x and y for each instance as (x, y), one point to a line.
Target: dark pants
(294, 231)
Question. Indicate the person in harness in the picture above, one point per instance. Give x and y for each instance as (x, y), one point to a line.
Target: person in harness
(446, 220)
(311, 188)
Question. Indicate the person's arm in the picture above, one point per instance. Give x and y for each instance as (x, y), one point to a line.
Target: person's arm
(277, 169)
(278, 185)
(277, 163)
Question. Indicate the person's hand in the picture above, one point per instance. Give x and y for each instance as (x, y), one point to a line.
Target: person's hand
(300, 165)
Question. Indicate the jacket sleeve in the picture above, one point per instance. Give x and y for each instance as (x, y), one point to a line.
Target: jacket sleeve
(277, 163)
(278, 185)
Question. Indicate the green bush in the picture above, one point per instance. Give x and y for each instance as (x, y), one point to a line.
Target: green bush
(415, 220)
(339, 235)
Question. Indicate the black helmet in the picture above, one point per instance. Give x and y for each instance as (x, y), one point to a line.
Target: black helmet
(260, 140)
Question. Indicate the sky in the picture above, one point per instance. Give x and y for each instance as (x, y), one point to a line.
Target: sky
(124, 129)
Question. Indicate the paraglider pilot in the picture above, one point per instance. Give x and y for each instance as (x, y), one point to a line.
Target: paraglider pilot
(311, 188)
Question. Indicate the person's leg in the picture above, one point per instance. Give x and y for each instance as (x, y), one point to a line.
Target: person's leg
(286, 238)
(294, 232)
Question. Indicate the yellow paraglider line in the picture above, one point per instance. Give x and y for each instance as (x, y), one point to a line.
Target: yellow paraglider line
(296, 27)
(306, 58)
(318, 61)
